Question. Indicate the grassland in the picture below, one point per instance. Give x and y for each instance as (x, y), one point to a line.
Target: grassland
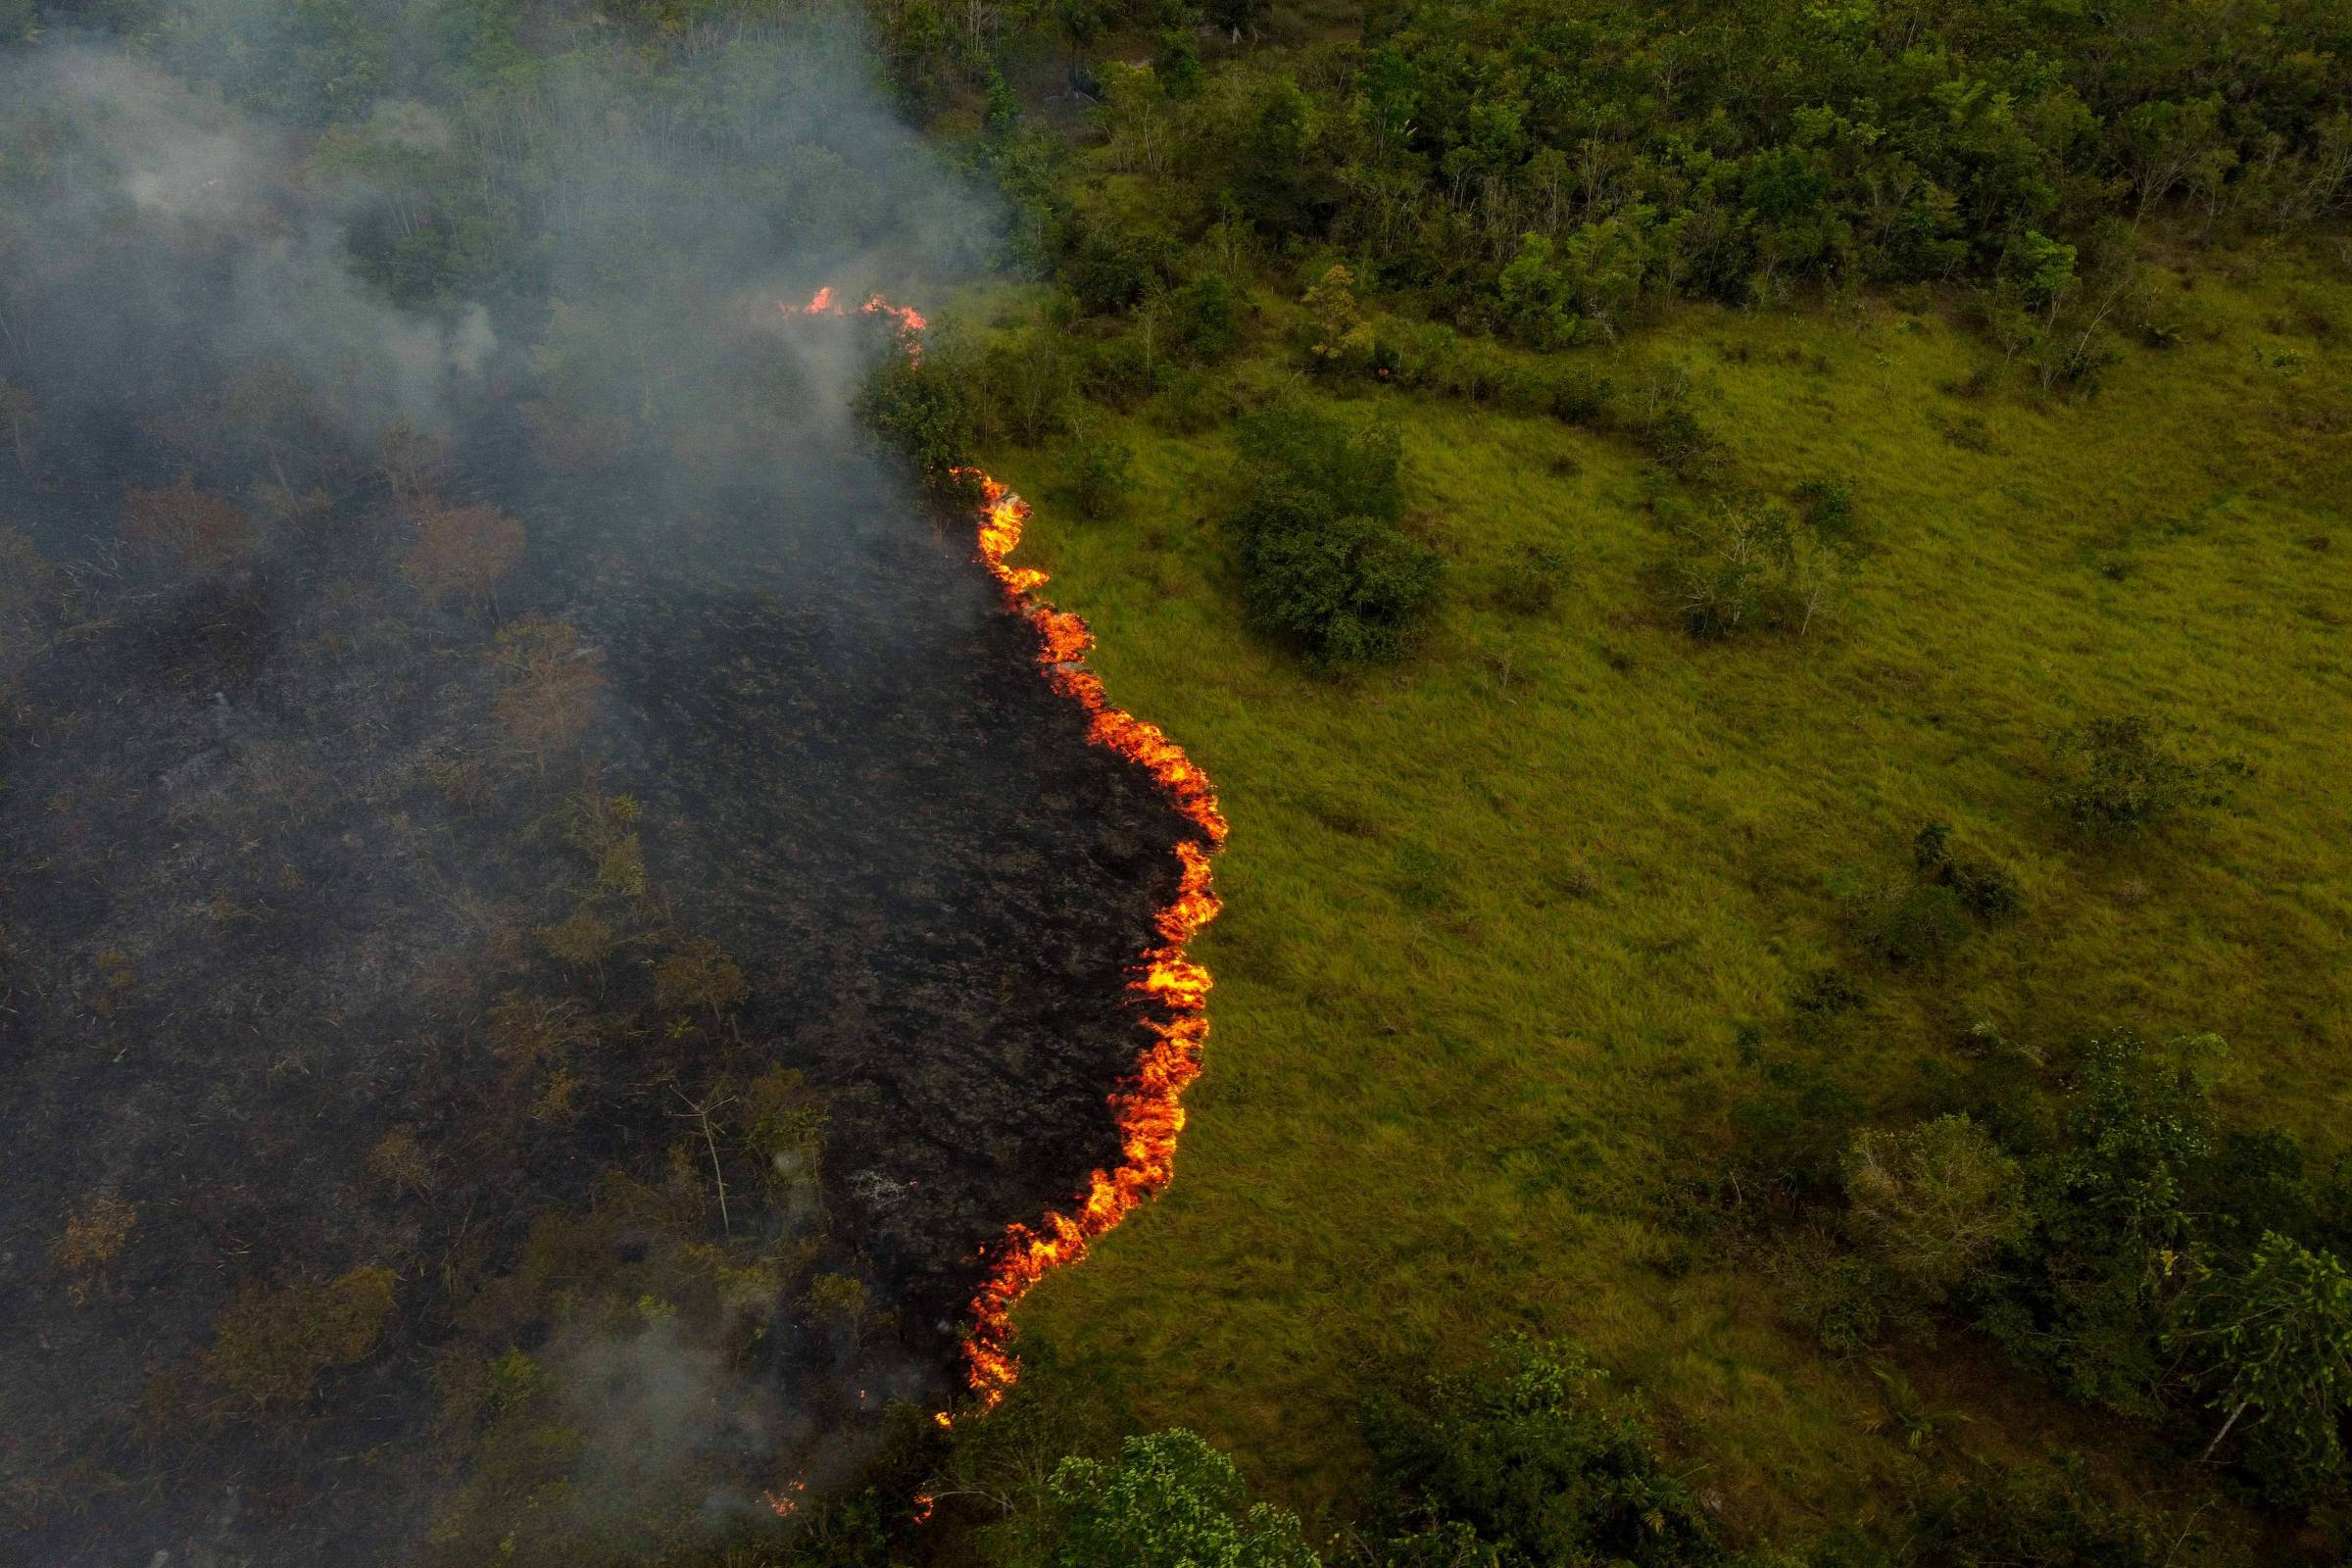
(1506, 923)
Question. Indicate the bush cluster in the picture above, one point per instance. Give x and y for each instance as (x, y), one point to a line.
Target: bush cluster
(1324, 560)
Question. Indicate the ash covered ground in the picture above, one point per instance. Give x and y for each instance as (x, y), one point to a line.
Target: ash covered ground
(545, 907)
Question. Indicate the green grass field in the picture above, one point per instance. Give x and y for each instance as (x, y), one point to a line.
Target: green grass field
(1497, 918)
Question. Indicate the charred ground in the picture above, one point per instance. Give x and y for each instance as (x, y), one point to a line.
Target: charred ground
(547, 913)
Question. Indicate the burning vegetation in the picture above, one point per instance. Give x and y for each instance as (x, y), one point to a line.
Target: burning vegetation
(552, 933)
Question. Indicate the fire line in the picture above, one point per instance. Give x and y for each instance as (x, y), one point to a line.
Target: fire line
(1148, 1106)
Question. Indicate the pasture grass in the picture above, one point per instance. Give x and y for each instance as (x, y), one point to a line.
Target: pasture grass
(1506, 923)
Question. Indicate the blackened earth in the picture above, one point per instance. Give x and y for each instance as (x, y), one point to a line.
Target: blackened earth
(246, 934)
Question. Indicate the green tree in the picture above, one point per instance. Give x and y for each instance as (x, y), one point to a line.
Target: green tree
(919, 406)
(1536, 299)
(1520, 1465)
(1169, 1500)
(1338, 335)
(1324, 562)
(2278, 1337)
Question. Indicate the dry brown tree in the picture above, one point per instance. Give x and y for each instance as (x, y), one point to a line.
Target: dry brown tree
(186, 527)
(461, 553)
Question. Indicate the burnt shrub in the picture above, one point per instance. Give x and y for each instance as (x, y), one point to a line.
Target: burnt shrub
(270, 1344)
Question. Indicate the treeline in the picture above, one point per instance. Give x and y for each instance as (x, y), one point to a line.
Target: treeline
(1527, 1458)
(1544, 168)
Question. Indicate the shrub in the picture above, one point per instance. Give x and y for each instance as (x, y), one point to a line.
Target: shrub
(1323, 560)
(2050, 1516)
(1908, 923)
(1205, 319)
(1117, 374)
(1101, 472)
(1746, 565)
(1520, 1463)
(1827, 504)
(1191, 402)
(1579, 399)
(2117, 778)
(1982, 889)
(1031, 386)
(2277, 1342)
(1348, 589)
(1349, 469)
(1169, 1500)
(1677, 441)
(1106, 269)
(1933, 1202)
(1338, 338)
(1851, 1304)
(919, 406)
(1532, 584)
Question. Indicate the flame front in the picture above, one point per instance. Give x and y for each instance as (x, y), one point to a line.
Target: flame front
(1148, 1106)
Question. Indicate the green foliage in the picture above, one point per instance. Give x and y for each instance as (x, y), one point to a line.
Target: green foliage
(2108, 1253)
(1746, 565)
(1827, 504)
(1917, 918)
(1205, 319)
(2051, 1517)
(922, 411)
(1933, 1201)
(1101, 471)
(2277, 1342)
(1338, 340)
(2117, 778)
(1323, 559)
(1169, 1500)
(1521, 1464)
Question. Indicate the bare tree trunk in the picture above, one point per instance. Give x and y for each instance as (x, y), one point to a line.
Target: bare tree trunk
(2225, 1432)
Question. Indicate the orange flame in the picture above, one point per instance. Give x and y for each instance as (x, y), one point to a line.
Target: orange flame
(1148, 1106)
(909, 321)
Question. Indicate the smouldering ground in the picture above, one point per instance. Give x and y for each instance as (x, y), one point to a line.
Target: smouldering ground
(1497, 918)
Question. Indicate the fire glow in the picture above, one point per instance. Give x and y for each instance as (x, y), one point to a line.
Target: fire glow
(909, 323)
(1148, 1106)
